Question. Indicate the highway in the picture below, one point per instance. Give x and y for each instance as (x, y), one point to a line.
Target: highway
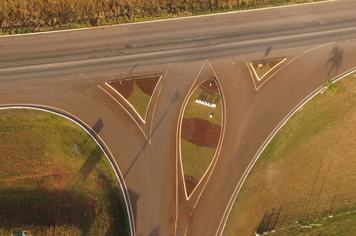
(66, 72)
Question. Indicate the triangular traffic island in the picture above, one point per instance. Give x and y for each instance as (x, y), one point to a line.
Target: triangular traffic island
(262, 68)
(137, 92)
(200, 132)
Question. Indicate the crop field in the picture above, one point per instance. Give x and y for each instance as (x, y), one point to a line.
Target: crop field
(24, 16)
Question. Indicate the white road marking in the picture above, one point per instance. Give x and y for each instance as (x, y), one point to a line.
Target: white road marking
(178, 156)
(217, 153)
(154, 107)
(82, 124)
(86, 78)
(124, 110)
(264, 145)
(254, 83)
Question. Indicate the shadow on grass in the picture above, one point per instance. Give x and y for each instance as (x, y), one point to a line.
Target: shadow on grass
(120, 224)
(90, 163)
(39, 207)
(269, 221)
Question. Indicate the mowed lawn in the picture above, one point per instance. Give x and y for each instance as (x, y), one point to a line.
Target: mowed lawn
(46, 189)
(307, 172)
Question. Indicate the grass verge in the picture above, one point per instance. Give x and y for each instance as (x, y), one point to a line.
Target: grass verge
(307, 171)
(26, 16)
(46, 189)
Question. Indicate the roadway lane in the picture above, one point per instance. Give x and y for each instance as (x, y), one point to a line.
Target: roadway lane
(45, 69)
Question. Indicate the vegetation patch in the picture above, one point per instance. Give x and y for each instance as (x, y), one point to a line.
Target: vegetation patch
(263, 67)
(200, 131)
(25, 16)
(137, 91)
(47, 188)
(306, 175)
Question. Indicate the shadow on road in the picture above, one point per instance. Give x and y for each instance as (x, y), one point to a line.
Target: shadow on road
(133, 199)
(99, 125)
(267, 51)
(155, 232)
(173, 99)
(335, 60)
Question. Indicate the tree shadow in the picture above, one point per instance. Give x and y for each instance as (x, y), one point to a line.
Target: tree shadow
(335, 60)
(120, 224)
(267, 51)
(47, 208)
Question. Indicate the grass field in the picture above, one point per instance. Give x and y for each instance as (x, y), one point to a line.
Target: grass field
(24, 16)
(307, 171)
(46, 189)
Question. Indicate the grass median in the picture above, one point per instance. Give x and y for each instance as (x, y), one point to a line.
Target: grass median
(26, 16)
(304, 181)
(47, 188)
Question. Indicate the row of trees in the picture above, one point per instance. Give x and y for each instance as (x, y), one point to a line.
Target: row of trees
(41, 14)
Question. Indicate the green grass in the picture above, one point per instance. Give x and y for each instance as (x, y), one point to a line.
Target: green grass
(195, 159)
(196, 110)
(139, 100)
(307, 169)
(25, 16)
(47, 190)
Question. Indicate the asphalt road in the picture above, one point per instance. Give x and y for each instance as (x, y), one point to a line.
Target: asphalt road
(66, 72)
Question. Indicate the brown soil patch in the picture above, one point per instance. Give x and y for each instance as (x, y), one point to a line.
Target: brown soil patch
(190, 183)
(210, 86)
(148, 85)
(201, 132)
(124, 87)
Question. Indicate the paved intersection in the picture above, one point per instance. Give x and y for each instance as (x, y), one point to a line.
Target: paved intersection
(66, 71)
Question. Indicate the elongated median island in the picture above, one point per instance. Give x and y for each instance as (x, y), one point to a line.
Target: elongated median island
(55, 179)
(200, 132)
(137, 92)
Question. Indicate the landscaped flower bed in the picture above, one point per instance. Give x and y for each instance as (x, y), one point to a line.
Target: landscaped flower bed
(136, 91)
(263, 67)
(200, 132)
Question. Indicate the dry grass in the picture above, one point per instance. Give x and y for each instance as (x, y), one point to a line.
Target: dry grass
(47, 190)
(23, 16)
(307, 170)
